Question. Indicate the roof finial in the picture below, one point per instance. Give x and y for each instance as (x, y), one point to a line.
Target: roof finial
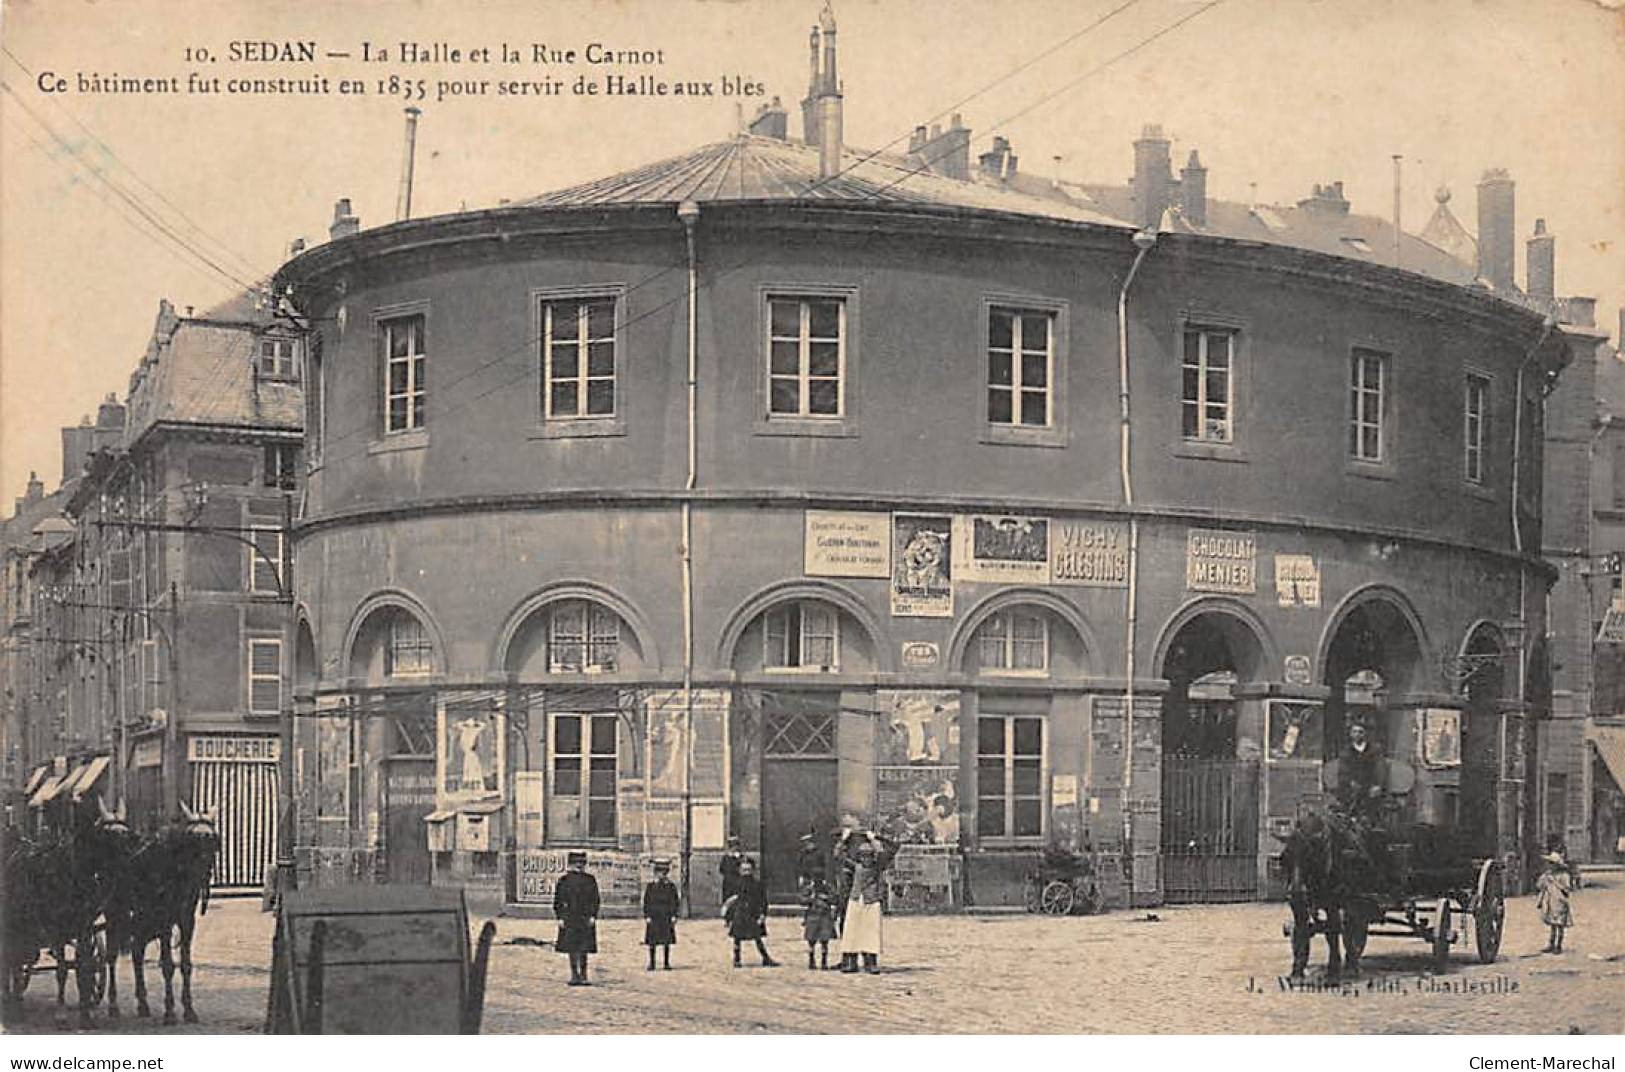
(826, 18)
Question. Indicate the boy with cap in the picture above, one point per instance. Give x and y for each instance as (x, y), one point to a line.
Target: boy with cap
(660, 909)
(576, 904)
(729, 867)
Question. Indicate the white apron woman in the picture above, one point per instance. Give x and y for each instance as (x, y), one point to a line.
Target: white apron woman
(861, 935)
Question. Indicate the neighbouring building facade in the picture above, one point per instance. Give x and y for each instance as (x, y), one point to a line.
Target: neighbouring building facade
(161, 614)
(778, 483)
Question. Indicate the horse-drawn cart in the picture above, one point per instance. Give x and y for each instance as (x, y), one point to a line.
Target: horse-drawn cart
(1349, 878)
(376, 960)
(1063, 884)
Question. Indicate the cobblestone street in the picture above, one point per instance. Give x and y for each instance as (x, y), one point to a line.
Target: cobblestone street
(1194, 970)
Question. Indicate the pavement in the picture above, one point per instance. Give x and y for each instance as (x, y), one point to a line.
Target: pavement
(1186, 970)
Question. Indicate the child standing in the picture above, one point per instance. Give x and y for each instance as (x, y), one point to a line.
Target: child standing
(576, 904)
(818, 924)
(1553, 899)
(746, 913)
(660, 902)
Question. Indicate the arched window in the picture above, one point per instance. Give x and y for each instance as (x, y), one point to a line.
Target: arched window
(408, 651)
(1014, 640)
(803, 635)
(583, 637)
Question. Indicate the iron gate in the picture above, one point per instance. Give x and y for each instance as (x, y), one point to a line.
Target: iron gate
(1209, 830)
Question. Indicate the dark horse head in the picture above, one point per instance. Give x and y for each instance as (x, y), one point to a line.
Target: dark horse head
(1326, 864)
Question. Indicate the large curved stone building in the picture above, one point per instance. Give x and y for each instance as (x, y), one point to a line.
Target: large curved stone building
(779, 481)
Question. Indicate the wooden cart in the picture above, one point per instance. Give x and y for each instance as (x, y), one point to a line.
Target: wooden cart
(361, 960)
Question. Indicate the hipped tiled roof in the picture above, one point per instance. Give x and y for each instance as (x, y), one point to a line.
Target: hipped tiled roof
(751, 168)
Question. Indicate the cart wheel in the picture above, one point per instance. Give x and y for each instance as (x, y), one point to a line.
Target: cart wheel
(1489, 912)
(1441, 936)
(1029, 894)
(1056, 900)
(1092, 897)
(20, 977)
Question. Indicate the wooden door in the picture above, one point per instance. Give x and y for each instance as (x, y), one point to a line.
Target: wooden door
(798, 795)
(408, 797)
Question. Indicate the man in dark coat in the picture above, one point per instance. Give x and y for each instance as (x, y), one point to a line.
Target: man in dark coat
(660, 902)
(576, 904)
(729, 867)
(746, 912)
(842, 864)
(1360, 775)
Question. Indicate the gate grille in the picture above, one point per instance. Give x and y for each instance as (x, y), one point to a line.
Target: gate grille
(1209, 830)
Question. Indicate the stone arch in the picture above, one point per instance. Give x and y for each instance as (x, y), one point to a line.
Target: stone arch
(1237, 622)
(517, 623)
(959, 643)
(373, 611)
(1208, 647)
(842, 598)
(307, 668)
(1407, 659)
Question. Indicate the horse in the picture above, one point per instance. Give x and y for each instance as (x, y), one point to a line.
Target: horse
(55, 892)
(1329, 873)
(166, 888)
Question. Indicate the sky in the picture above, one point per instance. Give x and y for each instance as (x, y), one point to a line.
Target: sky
(110, 202)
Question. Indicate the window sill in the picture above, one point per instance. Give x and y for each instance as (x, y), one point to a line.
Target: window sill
(1016, 675)
(828, 428)
(1209, 451)
(1013, 435)
(1479, 491)
(416, 439)
(802, 671)
(1370, 470)
(579, 428)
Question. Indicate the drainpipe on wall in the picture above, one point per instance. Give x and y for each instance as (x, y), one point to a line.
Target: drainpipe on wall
(1546, 327)
(1143, 241)
(689, 213)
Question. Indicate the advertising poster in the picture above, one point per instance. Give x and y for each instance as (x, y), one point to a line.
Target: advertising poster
(844, 544)
(621, 876)
(668, 749)
(922, 566)
(1297, 581)
(1441, 737)
(470, 751)
(1002, 549)
(1295, 730)
(917, 766)
(333, 767)
(1219, 561)
(1089, 553)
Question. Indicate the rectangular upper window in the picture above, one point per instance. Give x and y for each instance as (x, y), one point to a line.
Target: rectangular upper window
(1474, 415)
(806, 356)
(1368, 373)
(405, 372)
(265, 561)
(1207, 397)
(1020, 367)
(578, 357)
(1014, 641)
(264, 676)
(410, 651)
(278, 357)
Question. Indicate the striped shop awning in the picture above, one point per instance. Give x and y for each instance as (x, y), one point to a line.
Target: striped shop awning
(88, 776)
(35, 776)
(1610, 742)
(243, 797)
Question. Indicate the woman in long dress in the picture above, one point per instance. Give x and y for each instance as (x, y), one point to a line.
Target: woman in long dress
(861, 935)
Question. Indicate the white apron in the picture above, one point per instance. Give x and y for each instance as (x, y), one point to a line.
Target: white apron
(862, 931)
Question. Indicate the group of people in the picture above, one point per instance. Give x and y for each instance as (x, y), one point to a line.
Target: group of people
(841, 897)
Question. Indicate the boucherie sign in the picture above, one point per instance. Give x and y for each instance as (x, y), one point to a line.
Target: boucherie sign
(1220, 561)
(233, 749)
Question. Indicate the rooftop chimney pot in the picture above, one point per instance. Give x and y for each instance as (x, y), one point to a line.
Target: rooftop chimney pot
(1153, 177)
(1193, 191)
(344, 221)
(1541, 264)
(1497, 222)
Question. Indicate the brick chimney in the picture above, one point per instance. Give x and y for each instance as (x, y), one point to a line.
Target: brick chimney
(998, 162)
(1541, 265)
(942, 152)
(344, 221)
(1153, 176)
(771, 121)
(1497, 219)
(829, 102)
(110, 414)
(1327, 198)
(36, 488)
(809, 104)
(1193, 191)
